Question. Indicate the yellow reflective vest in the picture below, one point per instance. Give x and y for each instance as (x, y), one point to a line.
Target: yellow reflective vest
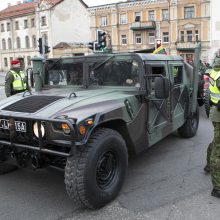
(19, 81)
(214, 91)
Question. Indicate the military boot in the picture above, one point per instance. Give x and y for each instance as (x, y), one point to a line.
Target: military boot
(207, 169)
(216, 193)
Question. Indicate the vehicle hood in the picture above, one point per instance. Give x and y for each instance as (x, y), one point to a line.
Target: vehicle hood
(77, 105)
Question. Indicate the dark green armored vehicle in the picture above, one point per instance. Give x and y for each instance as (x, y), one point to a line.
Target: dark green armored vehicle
(91, 112)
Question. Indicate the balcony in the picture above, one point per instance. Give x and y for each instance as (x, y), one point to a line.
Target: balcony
(139, 26)
(186, 46)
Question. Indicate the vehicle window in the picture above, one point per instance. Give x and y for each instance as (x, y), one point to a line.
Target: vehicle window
(68, 74)
(156, 71)
(116, 73)
(177, 73)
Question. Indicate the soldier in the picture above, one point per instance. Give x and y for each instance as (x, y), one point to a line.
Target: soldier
(213, 151)
(15, 80)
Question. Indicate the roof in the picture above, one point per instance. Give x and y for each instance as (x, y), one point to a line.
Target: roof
(22, 9)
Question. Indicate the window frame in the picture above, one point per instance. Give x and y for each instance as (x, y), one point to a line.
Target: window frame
(189, 12)
(165, 36)
(124, 39)
(137, 16)
(189, 36)
(123, 18)
(138, 37)
(151, 17)
(165, 18)
(103, 21)
(151, 38)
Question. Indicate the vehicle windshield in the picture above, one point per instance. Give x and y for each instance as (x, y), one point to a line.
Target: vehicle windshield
(108, 72)
(115, 73)
(71, 74)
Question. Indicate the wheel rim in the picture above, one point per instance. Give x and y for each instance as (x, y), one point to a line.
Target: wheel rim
(106, 169)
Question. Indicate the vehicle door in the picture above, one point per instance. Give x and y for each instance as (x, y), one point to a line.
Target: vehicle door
(158, 110)
(179, 93)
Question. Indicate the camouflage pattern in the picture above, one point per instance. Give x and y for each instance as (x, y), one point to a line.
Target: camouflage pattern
(214, 152)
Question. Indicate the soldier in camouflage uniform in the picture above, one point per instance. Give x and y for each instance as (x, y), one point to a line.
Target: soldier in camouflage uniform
(213, 152)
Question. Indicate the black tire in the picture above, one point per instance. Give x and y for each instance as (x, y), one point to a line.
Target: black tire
(207, 102)
(95, 176)
(2, 154)
(190, 127)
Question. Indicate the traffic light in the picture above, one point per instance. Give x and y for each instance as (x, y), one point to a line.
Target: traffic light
(158, 43)
(46, 49)
(40, 45)
(101, 35)
(91, 45)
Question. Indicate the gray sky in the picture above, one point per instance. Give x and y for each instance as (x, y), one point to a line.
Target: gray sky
(4, 3)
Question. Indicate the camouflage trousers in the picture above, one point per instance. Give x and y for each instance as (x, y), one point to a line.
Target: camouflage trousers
(213, 156)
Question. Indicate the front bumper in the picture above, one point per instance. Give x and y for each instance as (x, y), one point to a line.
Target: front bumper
(60, 145)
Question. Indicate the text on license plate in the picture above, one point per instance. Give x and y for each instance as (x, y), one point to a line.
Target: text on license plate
(19, 125)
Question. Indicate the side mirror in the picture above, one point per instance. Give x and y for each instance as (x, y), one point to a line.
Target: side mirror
(161, 88)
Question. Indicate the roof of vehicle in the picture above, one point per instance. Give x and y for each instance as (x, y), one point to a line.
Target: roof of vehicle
(142, 56)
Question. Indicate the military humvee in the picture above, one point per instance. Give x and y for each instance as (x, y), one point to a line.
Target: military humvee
(93, 111)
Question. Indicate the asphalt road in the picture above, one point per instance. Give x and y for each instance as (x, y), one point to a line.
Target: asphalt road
(166, 182)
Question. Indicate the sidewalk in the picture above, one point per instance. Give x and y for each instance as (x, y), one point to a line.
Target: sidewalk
(2, 78)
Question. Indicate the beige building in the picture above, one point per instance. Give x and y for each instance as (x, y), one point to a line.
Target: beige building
(135, 25)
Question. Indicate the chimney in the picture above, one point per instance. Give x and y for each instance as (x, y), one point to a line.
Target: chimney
(18, 2)
(9, 5)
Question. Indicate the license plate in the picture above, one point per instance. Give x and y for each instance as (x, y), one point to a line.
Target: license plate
(19, 125)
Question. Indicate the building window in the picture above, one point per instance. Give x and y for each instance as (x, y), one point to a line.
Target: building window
(43, 21)
(197, 35)
(189, 36)
(151, 16)
(123, 19)
(123, 39)
(32, 22)
(189, 12)
(165, 37)
(137, 16)
(2, 28)
(27, 42)
(138, 38)
(8, 26)
(16, 25)
(104, 21)
(5, 62)
(181, 36)
(45, 39)
(25, 23)
(151, 38)
(34, 41)
(18, 40)
(9, 44)
(165, 15)
(3, 44)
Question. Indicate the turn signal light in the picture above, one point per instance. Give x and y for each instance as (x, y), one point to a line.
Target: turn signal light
(65, 127)
(82, 129)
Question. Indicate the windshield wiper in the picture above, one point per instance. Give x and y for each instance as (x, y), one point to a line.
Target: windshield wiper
(105, 61)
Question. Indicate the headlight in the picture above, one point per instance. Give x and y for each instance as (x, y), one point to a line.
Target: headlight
(35, 129)
(65, 127)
